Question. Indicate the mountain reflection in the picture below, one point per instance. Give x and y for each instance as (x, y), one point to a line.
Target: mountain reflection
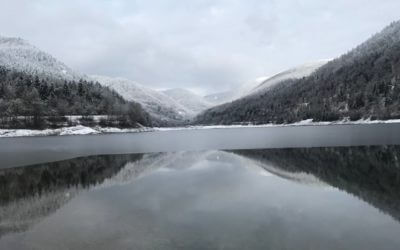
(370, 173)
(32, 193)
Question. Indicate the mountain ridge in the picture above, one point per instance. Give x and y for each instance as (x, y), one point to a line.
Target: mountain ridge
(161, 107)
(18, 54)
(188, 99)
(363, 83)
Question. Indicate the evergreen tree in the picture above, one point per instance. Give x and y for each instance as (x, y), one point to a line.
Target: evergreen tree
(40, 100)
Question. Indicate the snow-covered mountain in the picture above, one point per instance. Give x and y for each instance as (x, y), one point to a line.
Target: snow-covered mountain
(255, 89)
(293, 73)
(169, 107)
(157, 104)
(188, 99)
(262, 84)
(18, 54)
(165, 107)
(228, 96)
(346, 86)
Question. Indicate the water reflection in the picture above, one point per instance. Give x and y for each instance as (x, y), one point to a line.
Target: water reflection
(370, 173)
(243, 199)
(28, 194)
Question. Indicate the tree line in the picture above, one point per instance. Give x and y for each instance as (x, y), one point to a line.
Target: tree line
(27, 101)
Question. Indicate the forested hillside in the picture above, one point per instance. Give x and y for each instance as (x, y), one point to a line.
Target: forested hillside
(28, 101)
(163, 110)
(364, 83)
(18, 54)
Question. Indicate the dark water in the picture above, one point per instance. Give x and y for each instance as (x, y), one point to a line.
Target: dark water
(321, 197)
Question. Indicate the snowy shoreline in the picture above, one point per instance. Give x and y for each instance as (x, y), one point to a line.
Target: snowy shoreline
(83, 130)
(308, 122)
(74, 130)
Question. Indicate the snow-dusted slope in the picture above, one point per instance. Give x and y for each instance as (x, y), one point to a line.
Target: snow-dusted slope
(248, 87)
(262, 84)
(157, 104)
(18, 54)
(228, 96)
(188, 99)
(293, 73)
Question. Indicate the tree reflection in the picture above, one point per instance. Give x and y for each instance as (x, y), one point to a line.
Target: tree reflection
(370, 173)
(28, 194)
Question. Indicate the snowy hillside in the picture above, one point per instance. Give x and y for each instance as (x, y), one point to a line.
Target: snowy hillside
(188, 99)
(249, 86)
(261, 84)
(157, 104)
(18, 54)
(360, 84)
(228, 96)
(293, 73)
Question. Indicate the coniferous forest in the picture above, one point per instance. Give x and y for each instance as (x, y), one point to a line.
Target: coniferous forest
(364, 83)
(28, 101)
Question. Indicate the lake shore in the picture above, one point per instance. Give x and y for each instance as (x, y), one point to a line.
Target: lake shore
(74, 130)
(85, 130)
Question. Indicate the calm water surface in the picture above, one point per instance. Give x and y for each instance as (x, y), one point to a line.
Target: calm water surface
(30, 150)
(322, 197)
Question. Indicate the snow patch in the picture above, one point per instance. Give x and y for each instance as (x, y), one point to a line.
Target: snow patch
(78, 130)
(82, 130)
(75, 130)
(308, 122)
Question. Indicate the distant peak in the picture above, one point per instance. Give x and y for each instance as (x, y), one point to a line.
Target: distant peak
(13, 41)
(177, 90)
(18, 54)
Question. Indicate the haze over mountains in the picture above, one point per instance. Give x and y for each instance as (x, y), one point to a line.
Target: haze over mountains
(157, 104)
(364, 83)
(192, 102)
(293, 73)
(230, 95)
(262, 84)
(168, 107)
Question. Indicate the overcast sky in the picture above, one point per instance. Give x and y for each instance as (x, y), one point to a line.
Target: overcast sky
(203, 45)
